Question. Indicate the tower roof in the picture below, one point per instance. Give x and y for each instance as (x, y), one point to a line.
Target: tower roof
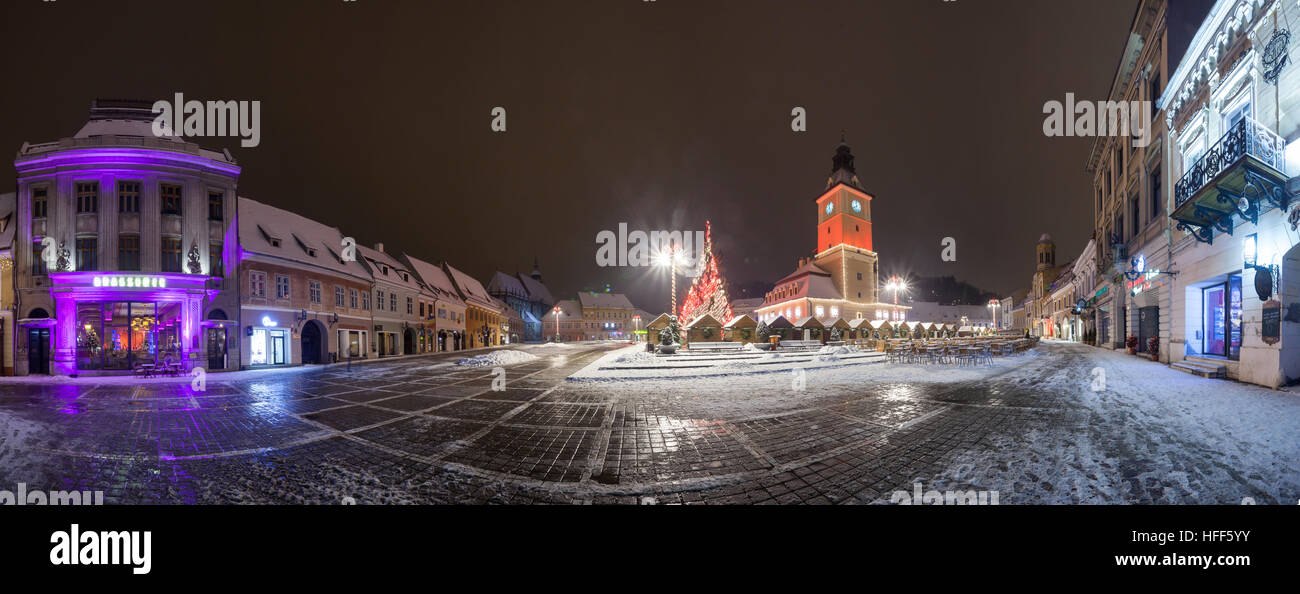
(842, 170)
(1045, 239)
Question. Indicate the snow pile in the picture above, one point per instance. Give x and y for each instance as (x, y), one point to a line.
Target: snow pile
(750, 348)
(638, 358)
(497, 358)
(832, 353)
(556, 344)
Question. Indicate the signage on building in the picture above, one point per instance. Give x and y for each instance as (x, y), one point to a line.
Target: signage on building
(1271, 331)
(130, 281)
(1146, 282)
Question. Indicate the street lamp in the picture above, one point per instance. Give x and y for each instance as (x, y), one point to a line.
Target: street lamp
(896, 284)
(993, 306)
(671, 258)
(557, 323)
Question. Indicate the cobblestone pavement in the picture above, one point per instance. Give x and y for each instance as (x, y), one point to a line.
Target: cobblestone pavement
(423, 430)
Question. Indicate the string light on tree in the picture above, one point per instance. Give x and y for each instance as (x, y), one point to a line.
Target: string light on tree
(708, 293)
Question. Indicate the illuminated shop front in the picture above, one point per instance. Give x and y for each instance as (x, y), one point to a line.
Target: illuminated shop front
(123, 322)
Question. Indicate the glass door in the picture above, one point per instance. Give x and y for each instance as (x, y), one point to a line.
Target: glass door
(216, 348)
(1222, 319)
(278, 347)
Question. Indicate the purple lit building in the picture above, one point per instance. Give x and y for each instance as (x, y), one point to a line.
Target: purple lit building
(120, 250)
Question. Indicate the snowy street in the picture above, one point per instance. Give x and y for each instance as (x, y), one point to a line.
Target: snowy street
(1038, 427)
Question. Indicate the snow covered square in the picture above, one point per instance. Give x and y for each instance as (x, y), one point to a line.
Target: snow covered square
(1032, 427)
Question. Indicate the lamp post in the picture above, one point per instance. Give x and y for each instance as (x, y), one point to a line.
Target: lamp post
(557, 323)
(896, 284)
(993, 306)
(671, 258)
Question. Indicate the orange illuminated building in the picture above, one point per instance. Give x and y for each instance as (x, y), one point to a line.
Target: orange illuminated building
(840, 279)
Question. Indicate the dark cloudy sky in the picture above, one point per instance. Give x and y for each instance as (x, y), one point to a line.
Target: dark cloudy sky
(375, 118)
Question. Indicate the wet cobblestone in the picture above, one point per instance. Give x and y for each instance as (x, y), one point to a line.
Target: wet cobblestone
(421, 430)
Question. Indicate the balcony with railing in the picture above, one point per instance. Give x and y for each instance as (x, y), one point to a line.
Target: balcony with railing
(1243, 169)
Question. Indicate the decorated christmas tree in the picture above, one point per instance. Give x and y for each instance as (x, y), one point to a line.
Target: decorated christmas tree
(708, 293)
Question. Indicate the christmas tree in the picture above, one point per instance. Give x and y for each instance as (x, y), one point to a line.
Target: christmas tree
(708, 293)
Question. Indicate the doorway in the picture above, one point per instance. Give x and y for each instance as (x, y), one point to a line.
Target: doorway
(38, 351)
(1148, 326)
(311, 343)
(216, 338)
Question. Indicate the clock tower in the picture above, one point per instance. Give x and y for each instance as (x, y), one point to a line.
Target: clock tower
(844, 246)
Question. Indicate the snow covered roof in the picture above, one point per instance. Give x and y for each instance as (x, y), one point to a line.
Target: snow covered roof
(741, 321)
(809, 322)
(470, 289)
(607, 300)
(536, 290)
(278, 233)
(839, 323)
(746, 305)
(859, 322)
(505, 284)
(704, 321)
(659, 322)
(384, 267)
(569, 311)
(780, 323)
(435, 279)
(807, 269)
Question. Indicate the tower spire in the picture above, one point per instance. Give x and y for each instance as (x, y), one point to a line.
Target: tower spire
(842, 170)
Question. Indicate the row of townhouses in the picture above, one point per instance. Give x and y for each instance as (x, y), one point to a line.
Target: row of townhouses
(120, 250)
(1194, 253)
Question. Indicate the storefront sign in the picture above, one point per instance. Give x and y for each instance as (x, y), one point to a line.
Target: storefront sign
(130, 282)
(1146, 282)
(1272, 321)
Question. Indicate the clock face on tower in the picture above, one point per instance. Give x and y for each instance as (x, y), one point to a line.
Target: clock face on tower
(857, 206)
(829, 207)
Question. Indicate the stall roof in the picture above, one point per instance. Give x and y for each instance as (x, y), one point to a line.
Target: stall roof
(705, 321)
(809, 322)
(741, 321)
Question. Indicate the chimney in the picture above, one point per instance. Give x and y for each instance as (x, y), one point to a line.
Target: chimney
(379, 247)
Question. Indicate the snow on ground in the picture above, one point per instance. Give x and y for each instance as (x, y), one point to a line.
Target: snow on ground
(638, 357)
(629, 363)
(1147, 433)
(741, 391)
(497, 358)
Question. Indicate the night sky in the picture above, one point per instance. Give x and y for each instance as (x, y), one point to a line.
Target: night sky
(376, 119)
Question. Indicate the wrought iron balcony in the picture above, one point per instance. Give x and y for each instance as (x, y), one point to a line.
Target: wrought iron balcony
(1246, 138)
(1244, 168)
